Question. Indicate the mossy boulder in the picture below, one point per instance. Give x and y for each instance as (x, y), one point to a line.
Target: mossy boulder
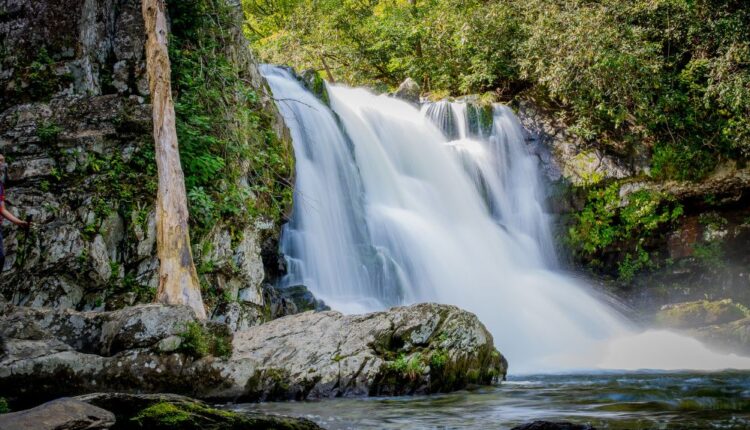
(316, 84)
(173, 412)
(699, 314)
(424, 348)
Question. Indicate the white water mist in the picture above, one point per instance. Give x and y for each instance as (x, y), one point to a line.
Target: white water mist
(396, 206)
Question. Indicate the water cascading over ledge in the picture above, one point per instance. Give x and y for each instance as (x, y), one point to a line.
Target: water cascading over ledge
(397, 206)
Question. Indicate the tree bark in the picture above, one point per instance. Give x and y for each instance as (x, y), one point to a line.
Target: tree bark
(178, 279)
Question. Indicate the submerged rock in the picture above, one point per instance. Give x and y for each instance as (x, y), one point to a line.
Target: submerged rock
(61, 414)
(416, 349)
(550, 425)
(409, 91)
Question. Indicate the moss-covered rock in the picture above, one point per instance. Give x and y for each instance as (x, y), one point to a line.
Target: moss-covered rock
(699, 314)
(174, 412)
(316, 84)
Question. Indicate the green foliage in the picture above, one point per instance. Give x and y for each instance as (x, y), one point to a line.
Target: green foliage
(664, 77)
(199, 342)
(408, 367)
(221, 121)
(4, 409)
(710, 254)
(609, 222)
(195, 340)
(438, 359)
(48, 131)
(440, 43)
(36, 79)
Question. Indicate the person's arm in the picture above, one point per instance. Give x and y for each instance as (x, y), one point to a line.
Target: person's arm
(10, 217)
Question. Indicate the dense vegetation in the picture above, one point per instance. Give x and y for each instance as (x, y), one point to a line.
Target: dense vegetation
(225, 134)
(666, 78)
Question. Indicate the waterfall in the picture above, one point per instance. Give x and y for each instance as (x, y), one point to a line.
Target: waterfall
(394, 205)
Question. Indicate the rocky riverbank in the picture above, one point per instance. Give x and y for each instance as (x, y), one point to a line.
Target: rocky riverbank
(49, 353)
(115, 411)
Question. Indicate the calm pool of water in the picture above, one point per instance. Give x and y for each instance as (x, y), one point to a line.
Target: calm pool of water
(607, 401)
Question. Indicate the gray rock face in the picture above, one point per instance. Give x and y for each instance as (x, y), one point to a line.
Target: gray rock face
(564, 156)
(416, 349)
(62, 414)
(409, 91)
(75, 125)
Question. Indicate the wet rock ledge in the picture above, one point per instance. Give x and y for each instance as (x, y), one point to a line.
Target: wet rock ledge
(48, 353)
(117, 411)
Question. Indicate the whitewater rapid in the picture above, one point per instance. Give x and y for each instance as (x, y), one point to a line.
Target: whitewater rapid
(394, 206)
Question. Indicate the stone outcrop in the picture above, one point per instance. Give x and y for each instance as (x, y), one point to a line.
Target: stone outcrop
(76, 128)
(722, 324)
(698, 314)
(409, 91)
(416, 349)
(154, 348)
(564, 156)
(61, 414)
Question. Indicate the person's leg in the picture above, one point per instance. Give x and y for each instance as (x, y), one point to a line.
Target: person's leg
(2, 251)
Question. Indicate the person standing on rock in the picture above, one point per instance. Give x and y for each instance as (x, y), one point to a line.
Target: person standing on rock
(4, 213)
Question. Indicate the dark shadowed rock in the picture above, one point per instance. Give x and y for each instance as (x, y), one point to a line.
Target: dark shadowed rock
(174, 412)
(61, 414)
(303, 299)
(549, 425)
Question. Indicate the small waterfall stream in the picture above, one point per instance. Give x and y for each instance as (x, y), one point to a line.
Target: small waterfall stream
(396, 206)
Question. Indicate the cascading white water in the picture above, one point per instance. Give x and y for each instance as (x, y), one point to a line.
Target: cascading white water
(391, 209)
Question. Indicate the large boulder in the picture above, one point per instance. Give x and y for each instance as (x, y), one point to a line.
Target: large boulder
(409, 91)
(405, 350)
(416, 349)
(61, 414)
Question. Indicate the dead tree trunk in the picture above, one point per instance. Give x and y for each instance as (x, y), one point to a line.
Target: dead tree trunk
(178, 279)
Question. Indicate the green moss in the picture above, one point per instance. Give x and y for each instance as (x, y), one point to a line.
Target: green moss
(198, 341)
(163, 414)
(699, 314)
(316, 84)
(193, 415)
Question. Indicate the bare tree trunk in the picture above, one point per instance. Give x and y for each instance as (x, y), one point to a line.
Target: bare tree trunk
(178, 279)
(327, 69)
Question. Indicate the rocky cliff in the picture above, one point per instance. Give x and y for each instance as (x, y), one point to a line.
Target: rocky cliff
(75, 126)
(651, 240)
